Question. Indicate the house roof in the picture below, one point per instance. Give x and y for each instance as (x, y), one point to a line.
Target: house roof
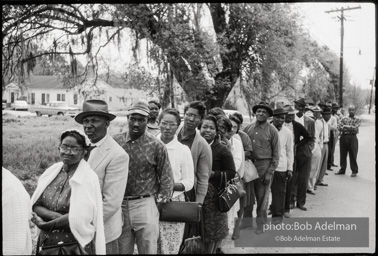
(45, 82)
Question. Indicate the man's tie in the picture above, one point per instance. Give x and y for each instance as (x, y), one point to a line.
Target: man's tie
(89, 149)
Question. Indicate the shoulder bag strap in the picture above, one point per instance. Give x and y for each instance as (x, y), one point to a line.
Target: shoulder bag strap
(47, 236)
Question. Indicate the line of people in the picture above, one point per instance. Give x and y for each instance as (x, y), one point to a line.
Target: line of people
(105, 194)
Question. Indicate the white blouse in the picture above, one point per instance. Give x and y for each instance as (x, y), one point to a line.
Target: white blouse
(181, 161)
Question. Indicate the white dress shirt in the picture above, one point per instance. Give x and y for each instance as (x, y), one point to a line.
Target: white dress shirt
(287, 150)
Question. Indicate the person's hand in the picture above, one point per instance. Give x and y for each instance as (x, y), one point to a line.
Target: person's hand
(159, 205)
(289, 175)
(38, 221)
(265, 179)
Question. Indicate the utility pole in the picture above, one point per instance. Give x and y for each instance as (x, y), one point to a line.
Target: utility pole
(341, 17)
(371, 93)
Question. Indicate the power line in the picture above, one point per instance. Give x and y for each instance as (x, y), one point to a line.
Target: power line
(342, 18)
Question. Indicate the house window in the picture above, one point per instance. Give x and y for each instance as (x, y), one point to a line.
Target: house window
(110, 99)
(61, 97)
(75, 99)
(47, 98)
(33, 98)
(43, 99)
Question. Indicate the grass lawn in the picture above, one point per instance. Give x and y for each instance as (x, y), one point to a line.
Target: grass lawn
(30, 146)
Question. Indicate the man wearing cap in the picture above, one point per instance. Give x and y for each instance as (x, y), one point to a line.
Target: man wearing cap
(317, 151)
(284, 170)
(303, 145)
(265, 156)
(150, 183)
(111, 164)
(326, 115)
(332, 122)
(348, 128)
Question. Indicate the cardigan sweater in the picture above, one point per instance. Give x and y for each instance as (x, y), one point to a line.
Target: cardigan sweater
(202, 162)
(85, 213)
(16, 216)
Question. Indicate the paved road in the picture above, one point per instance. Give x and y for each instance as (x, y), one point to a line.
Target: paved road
(344, 197)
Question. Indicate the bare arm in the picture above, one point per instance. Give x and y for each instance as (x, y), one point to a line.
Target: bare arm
(60, 223)
(45, 213)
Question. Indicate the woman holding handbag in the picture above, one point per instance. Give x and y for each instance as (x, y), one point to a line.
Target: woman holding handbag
(215, 221)
(249, 198)
(171, 233)
(67, 203)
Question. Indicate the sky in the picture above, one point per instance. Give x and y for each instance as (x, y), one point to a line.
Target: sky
(359, 35)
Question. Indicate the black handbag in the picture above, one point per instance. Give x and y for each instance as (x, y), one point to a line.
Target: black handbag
(178, 211)
(194, 244)
(73, 248)
(228, 195)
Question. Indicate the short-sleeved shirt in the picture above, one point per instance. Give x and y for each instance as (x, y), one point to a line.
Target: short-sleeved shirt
(150, 171)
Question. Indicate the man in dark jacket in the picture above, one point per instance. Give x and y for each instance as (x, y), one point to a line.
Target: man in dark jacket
(302, 161)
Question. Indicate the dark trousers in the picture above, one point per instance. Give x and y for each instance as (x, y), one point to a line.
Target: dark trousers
(331, 149)
(278, 189)
(301, 175)
(348, 143)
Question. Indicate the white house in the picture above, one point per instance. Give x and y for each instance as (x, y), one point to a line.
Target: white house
(43, 89)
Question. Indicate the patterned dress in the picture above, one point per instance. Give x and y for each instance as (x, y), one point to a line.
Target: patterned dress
(56, 197)
(171, 234)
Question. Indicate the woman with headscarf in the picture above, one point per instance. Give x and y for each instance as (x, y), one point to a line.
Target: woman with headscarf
(67, 203)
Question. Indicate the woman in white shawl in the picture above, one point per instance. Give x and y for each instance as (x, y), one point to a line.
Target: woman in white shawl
(67, 203)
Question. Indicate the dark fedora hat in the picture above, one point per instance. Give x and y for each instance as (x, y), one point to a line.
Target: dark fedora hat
(264, 105)
(279, 111)
(94, 108)
(327, 110)
(301, 101)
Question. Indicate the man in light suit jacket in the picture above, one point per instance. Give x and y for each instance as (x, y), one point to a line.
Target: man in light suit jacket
(111, 163)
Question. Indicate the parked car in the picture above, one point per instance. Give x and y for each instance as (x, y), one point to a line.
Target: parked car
(19, 104)
(55, 108)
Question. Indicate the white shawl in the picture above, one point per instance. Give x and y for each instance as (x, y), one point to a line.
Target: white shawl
(85, 213)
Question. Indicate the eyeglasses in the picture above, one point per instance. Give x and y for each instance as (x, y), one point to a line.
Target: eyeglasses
(165, 124)
(66, 150)
(190, 115)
